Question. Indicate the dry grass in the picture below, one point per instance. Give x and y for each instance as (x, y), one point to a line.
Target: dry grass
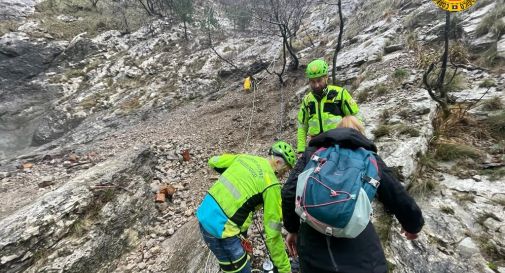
(492, 104)
(496, 125)
(130, 104)
(456, 151)
(420, 186)
(93, 21)
(492, 22)
(382, 130)
(487, 83)
(7, 26)
(363, 96)
(408, 130)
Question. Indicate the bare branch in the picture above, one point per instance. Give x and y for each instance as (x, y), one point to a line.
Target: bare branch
(221, 57)
(428, 85)
(477, 101)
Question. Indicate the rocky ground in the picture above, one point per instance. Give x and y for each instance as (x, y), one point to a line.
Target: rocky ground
(464, 230)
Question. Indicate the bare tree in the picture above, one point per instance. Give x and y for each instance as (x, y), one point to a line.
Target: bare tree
(183, 9)
(93, 3)
(438, 90)
(209, 24)
(120, 7)
(153, 7)
(339, 42)
(285, 16)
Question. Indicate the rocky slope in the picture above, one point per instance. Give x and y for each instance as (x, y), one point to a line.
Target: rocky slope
(97, 97)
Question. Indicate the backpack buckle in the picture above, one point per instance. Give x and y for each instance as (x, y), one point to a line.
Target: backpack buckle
(328, 231)
(374, 182)
(371, 181)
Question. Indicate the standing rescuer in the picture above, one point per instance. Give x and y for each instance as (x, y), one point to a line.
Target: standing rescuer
(324, 106)
(246, 183)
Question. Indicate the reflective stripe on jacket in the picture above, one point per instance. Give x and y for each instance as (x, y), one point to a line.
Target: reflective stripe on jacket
(246, 183)
(316, 117)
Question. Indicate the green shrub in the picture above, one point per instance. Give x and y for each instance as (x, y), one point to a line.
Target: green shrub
(381, 89)
(400, 74)
(382, 130)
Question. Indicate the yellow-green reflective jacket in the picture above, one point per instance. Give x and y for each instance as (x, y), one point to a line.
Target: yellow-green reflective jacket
(315, 117)
(246, 183)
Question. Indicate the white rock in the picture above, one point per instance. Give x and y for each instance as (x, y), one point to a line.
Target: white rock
(170, 231)
(501, 48)
(467, 247)
(6, 259)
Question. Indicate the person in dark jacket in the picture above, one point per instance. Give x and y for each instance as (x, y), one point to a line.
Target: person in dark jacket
(319, 253)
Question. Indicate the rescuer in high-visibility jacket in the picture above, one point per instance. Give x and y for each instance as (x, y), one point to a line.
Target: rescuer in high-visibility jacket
(246, 183)
(324, 106)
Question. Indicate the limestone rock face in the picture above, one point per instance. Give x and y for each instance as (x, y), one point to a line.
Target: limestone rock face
(85, 223)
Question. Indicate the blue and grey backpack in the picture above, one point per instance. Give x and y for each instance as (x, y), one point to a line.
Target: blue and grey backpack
(335, 191)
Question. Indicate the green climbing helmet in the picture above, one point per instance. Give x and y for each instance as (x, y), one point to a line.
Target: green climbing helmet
(317, 68)
(284, 150)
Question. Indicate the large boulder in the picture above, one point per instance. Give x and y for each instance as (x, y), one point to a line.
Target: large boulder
(85, 224)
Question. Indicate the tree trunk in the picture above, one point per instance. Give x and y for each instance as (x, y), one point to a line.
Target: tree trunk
(185, 31)
(443, 69)
(339, 43)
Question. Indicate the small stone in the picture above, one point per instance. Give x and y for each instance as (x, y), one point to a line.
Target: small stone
(4, 175)
(491, 224)
(46, 181)
(393, 48)
(477, 178)
(467, 247)
(188, 212)
(147, 256)
(141, 265)
(73, 158)
(170, 231)
(155, 250)
(67, 164)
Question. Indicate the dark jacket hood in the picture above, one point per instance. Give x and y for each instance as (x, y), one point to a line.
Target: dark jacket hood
(344, 137)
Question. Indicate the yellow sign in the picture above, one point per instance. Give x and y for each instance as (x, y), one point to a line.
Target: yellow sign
(454, 5)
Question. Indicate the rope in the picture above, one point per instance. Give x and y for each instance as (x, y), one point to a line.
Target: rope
(251, 115)
(253, 112)
(282, 106)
